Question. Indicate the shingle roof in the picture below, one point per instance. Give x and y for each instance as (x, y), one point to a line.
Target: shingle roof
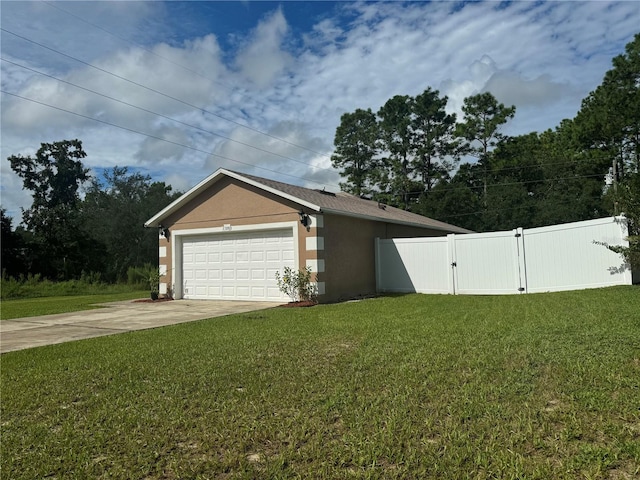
(346, 204)
(317, 200)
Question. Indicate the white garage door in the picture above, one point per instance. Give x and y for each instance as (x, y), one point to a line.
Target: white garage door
(236, 266)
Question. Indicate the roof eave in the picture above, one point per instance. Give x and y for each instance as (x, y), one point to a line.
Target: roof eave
(390, 220)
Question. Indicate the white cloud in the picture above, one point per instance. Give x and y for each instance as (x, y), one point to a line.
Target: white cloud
(262, 57)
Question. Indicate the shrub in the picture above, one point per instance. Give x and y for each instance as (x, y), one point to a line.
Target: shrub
(140, 275)
(34, 286)
(297, 285)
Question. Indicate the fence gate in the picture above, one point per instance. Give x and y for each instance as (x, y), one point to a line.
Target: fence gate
(488, 263)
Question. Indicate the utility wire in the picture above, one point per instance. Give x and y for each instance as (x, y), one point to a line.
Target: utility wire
(203, 110)
(159, 138)
(163, 116)
(495, 210)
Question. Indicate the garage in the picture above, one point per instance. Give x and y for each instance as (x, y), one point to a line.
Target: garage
(228, 236)
(236, 266)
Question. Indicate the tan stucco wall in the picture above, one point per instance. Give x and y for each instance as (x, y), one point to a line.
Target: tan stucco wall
(350, 253)
(230, 202)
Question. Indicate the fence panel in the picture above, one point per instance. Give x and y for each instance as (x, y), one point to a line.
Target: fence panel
(413, 265)
(487, 263)
(565, 257)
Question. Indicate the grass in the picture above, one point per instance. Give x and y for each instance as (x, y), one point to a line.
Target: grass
(529, 387)
(34, 286)
(31, 307)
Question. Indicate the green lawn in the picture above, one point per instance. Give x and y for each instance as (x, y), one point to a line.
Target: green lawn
(540, 386)
(31, 307)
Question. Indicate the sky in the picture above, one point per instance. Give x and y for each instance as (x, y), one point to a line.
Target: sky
(176, 90)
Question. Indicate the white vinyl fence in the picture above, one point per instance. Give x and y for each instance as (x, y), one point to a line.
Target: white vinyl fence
(545, 259)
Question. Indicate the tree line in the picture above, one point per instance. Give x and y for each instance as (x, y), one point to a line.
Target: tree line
(414, 155)
(79, 225)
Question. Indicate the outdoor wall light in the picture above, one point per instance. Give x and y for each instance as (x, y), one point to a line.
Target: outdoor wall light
(164, 231)
(304, 218)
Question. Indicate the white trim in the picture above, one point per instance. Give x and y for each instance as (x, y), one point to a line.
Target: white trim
(178, 237)
(162, 252)
(210, 180)
(238, 228)
(314, 243)
(317, 221)
(316, 266)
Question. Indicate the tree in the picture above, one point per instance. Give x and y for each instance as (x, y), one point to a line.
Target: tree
(11, 243)
(356, 149)
(395, 176)
(608, 122)
(456, 200)
(114, 211)
(482, 118)
(516, 183)
(417, 146)
(54, 177)
(627, 197)
(434, 141)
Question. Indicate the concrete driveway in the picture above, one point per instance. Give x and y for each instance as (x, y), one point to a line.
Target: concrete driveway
(116, 317)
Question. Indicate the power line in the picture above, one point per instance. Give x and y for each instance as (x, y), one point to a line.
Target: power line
(502, 184)
(137, 132)
(203, 110)
(495, 210)
(163, 116)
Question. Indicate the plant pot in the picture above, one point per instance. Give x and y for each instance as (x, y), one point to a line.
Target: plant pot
(154, 295)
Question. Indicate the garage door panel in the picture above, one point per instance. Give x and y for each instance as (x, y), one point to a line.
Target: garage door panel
(242, 274)
(237, 265)
(257, 256)
(273, 255)
(287, 255)
(258, 291)
(243, 292)
(273, 292)
(258, 274)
